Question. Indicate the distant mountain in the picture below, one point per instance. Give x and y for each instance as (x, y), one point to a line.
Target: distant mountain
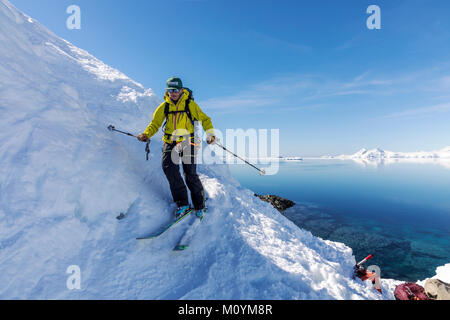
(291, 159)
(380, 154)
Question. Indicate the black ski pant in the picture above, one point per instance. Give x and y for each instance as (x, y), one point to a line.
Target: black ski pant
(171, 167)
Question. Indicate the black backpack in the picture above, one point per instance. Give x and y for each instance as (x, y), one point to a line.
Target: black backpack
(186, 110)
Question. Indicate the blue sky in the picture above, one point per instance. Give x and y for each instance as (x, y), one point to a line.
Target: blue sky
(309, 68)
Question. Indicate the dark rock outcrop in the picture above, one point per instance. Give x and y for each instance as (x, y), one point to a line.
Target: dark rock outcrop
(279, 203)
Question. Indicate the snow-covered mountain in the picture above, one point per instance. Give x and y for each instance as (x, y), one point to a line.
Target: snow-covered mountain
(375, 154)
(65, 178)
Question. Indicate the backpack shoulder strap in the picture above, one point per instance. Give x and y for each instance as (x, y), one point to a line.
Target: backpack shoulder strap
(188, 109)
(190, 93)
(166, 109)
(166, 113)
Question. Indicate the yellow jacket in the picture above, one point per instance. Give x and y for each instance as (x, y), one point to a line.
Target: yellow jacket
(178, 124)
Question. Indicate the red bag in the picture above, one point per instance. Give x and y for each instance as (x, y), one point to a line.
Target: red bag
(410, 291)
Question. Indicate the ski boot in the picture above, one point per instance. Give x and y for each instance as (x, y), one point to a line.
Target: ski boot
(182, 211)
(200, 213)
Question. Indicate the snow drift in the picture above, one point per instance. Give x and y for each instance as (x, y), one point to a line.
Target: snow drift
(65, 178)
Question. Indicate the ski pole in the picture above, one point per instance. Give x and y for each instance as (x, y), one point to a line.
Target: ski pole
(261, 171)
(112, 128)
(147, 145)
(147, 149)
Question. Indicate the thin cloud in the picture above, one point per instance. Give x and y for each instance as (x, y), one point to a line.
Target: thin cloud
(277, 42)
(298, 91)
(288, 90)
(440, 108)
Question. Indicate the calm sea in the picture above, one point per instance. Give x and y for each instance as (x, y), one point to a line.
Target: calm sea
(399, 212)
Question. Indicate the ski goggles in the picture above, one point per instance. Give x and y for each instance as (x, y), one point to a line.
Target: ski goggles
(173, 90)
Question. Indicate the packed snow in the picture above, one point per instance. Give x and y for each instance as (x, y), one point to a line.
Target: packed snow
(65, 178)
(442, 273)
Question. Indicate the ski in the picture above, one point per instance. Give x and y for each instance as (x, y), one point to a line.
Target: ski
(187, 237)
(165, 228)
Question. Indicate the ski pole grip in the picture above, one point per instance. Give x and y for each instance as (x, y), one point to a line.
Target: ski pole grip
(365, 259)
(147, 149)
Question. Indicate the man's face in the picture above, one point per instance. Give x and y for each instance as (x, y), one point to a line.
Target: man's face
(175, 95)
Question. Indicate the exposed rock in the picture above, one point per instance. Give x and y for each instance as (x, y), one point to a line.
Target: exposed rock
(279, 203)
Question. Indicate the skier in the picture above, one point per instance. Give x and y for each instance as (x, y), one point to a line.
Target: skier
(180, 111)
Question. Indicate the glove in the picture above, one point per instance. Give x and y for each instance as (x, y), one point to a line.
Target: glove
(142, 137)
(211, 139)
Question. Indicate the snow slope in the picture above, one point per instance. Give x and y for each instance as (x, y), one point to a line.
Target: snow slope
(65, 178)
